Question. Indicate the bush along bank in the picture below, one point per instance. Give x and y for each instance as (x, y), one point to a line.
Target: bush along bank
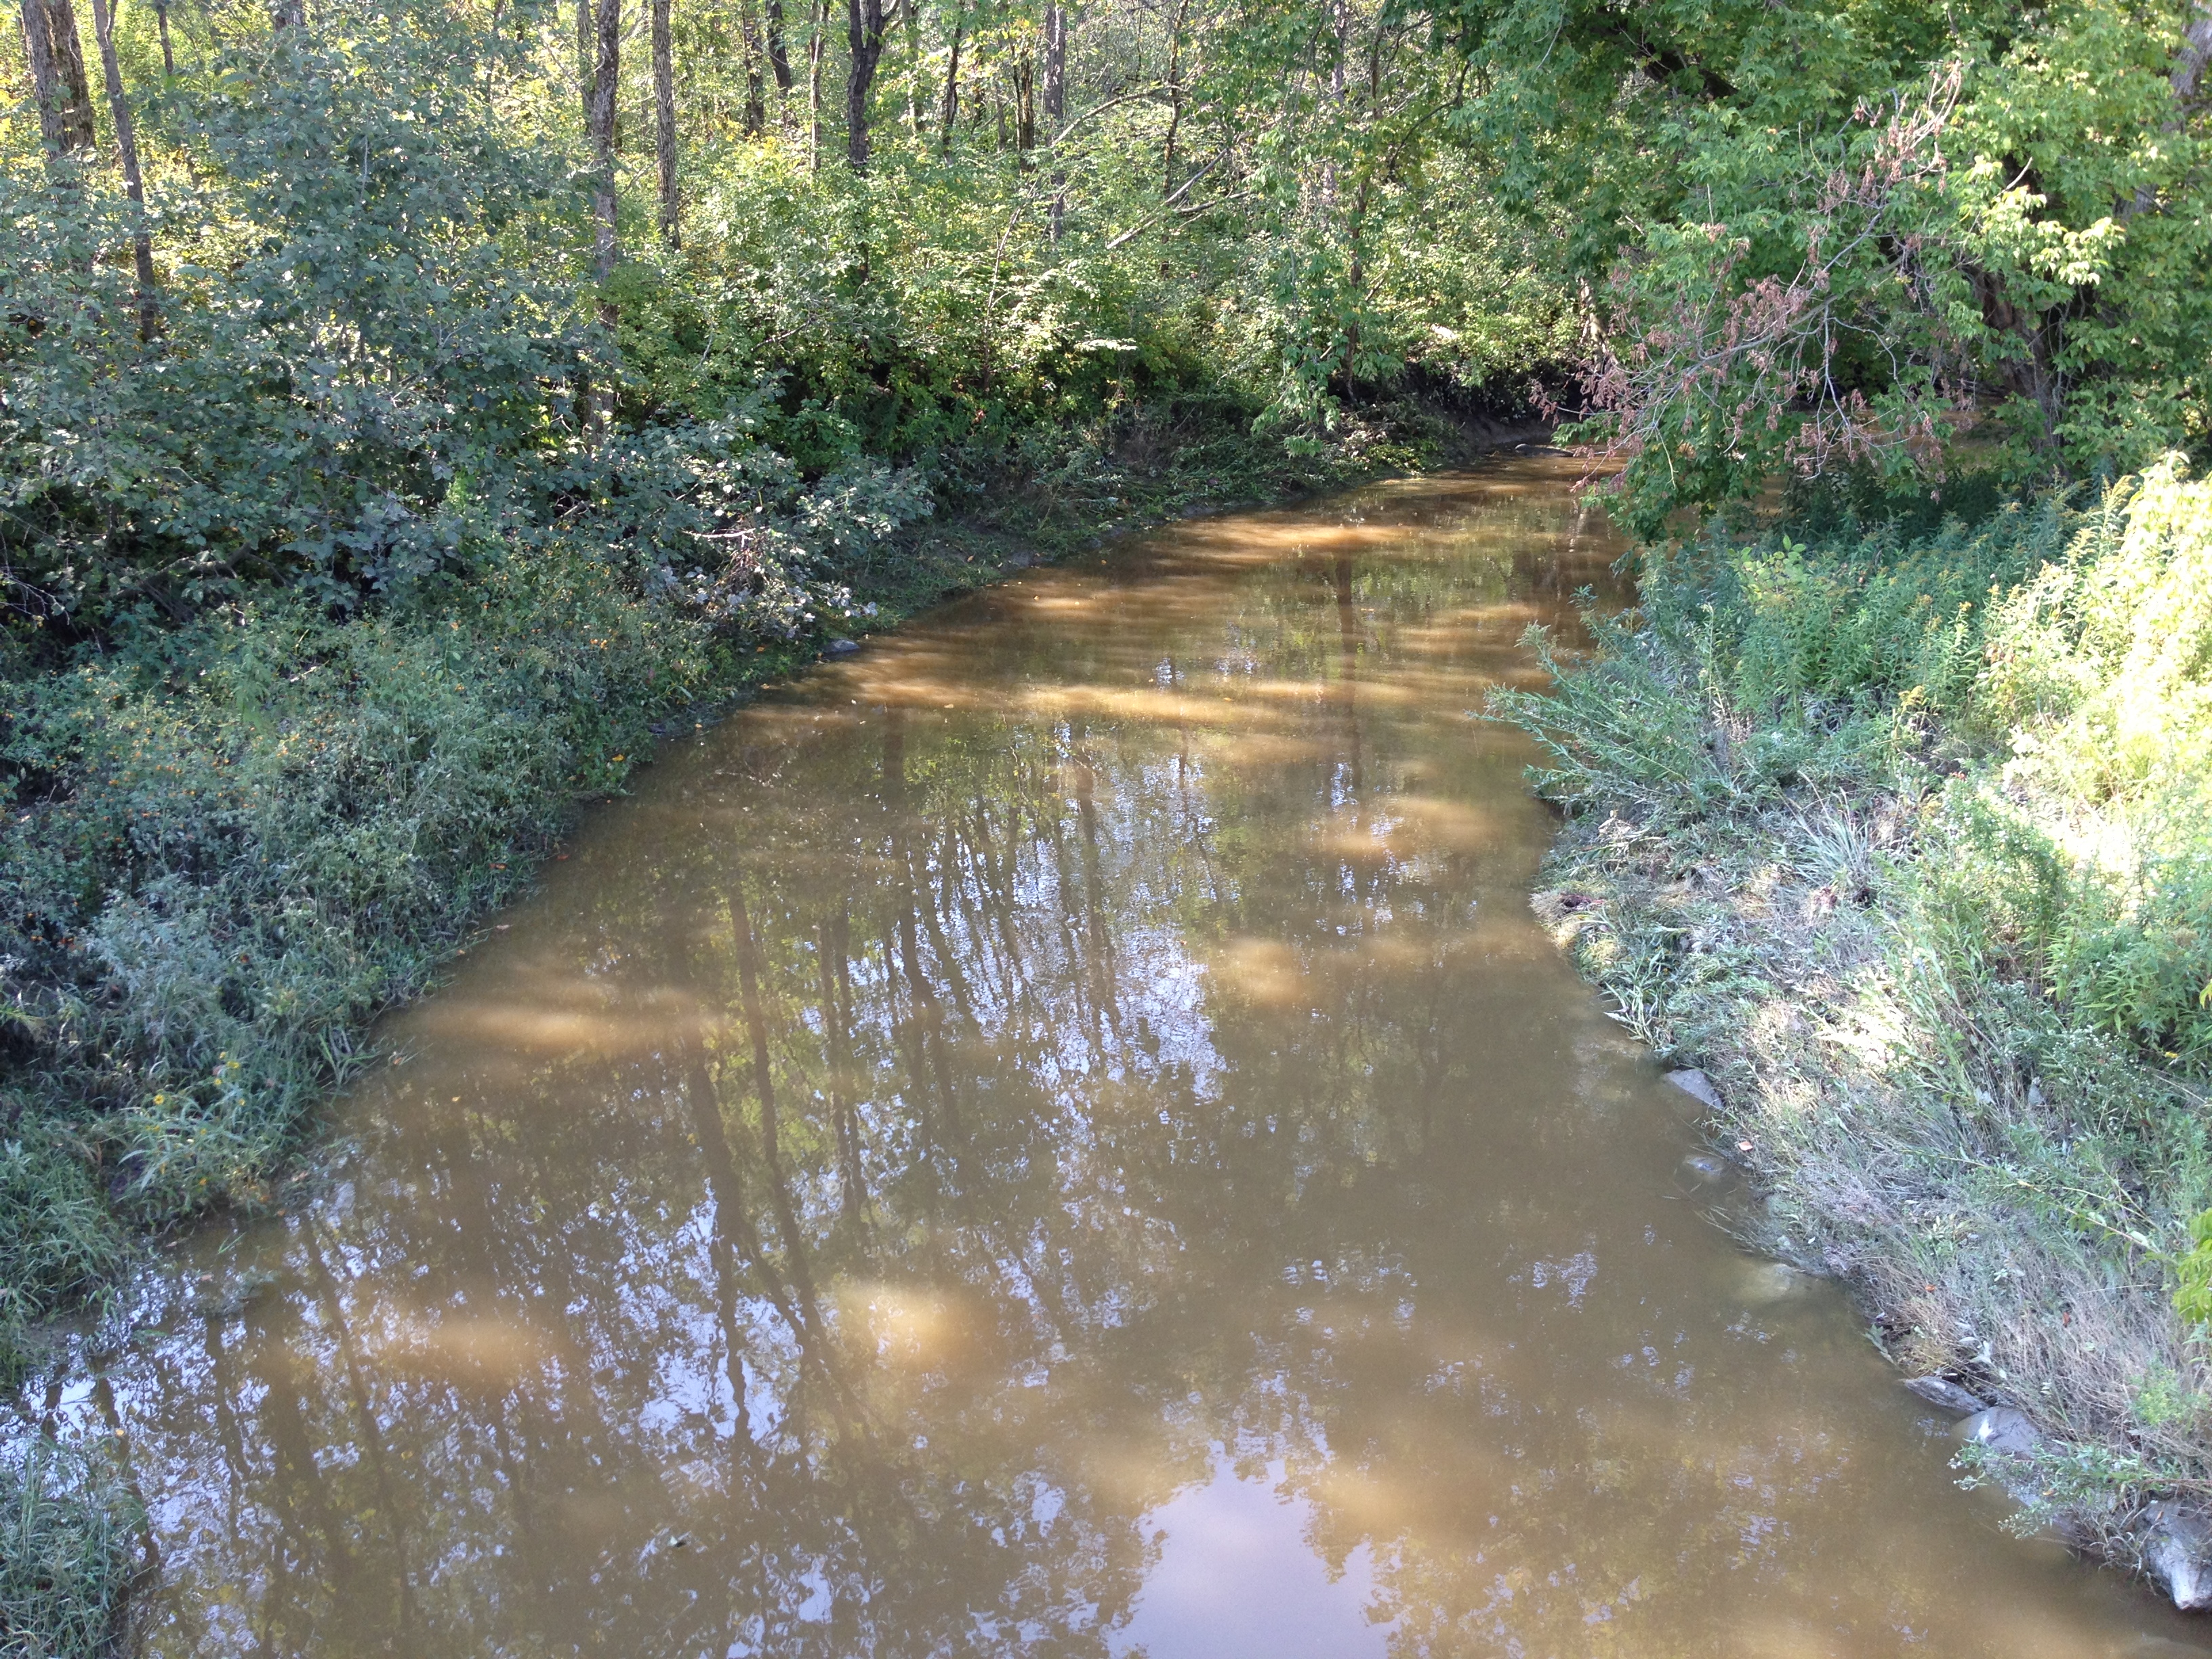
(1905, 841)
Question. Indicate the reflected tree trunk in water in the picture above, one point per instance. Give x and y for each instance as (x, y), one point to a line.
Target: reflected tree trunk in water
(764, 1091)
(103, 1400)
(296, 1481)
(1099, 965)
(220, 1390)
(364, 1406)
(833, 961)
(927, 1062)
(1347, 631)
(933, 895)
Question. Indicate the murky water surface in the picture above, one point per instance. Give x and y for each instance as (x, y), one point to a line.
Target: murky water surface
(1058, 1136)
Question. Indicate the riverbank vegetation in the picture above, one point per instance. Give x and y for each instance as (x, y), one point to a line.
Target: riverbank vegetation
(1901, 838)
(409, 407)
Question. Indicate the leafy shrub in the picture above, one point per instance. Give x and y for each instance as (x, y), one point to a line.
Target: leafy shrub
(226, 844)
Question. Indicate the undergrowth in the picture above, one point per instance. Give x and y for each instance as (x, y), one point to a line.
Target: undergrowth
(1901, 836)
(70, 1549)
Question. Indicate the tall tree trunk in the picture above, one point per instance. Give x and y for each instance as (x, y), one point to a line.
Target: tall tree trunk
(599, 113)
(161, 19)
(814, 50)
(749, 36)
(1055, 104)
(910, 13)
(1174, 100)
(587, 53)
(2189, 63)
(950, 111)
(1024, 107)
(1355, 230)
(1340, 23)
(126, 150)
(57, 77)
(290, 13)
(864, 32)
(664, 134)
(779, 57)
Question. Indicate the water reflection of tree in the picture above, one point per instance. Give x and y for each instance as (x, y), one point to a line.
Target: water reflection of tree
(1035, 1044)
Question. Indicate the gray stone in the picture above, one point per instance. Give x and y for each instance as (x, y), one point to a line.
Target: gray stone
(1942, 1392)
(840, 648)
(1766, 1282)
(2176, 1551)
(2004, 1429)
(1698, 1086)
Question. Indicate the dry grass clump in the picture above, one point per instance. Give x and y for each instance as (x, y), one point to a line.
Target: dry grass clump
(1929, 930)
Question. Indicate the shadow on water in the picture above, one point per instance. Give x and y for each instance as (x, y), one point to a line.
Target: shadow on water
(1058, 1135)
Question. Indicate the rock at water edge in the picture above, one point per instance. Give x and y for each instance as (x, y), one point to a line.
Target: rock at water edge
(1942, 1392)
(1698, 1086)
(1704, 1168)
(2175, 1553)
(2003, 1429)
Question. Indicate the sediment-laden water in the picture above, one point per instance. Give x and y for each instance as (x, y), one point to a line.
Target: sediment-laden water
(1058, 1135)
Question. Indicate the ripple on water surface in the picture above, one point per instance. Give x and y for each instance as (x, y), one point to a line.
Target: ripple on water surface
(1058, 1135)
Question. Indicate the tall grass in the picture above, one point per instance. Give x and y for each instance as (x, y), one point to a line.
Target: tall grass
(1903, 837)
(69, 1528)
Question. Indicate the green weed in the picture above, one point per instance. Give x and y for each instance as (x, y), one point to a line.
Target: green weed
(70, 1526)
(1902, 838)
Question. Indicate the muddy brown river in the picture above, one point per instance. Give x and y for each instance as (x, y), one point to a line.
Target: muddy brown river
(1058, 1135)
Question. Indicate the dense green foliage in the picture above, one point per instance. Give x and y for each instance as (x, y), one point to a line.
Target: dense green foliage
(1902, 835)
(1861, 233)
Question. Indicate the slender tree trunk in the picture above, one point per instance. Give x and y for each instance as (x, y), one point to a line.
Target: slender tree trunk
(1340, 23)
(1055, 104)
(663, 130)
(910, 12)
(57, 77)
(864, 30)
(950, 111)
(290, 13)
(2189, 66)
(126, 150)
(749, 34)
(168, 57)
(1024, 107)
(779, 56)
(586, 53)
(1174, 100)
(1355, 234)
(600, 119)
(814, 50)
